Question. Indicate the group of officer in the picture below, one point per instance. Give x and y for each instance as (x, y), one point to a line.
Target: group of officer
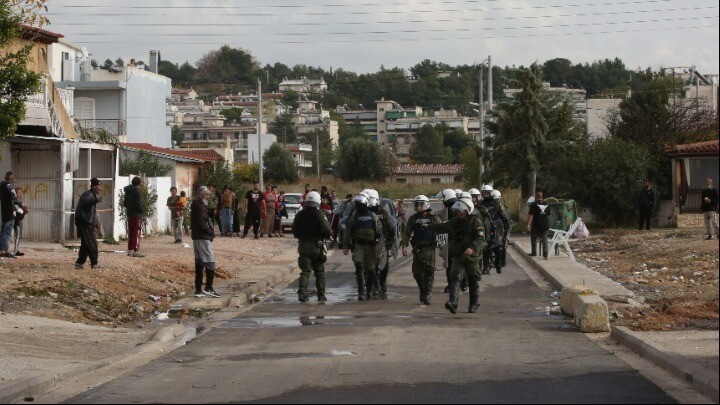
(475, 222)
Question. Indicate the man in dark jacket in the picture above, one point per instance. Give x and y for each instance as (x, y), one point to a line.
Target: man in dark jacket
(709, 206)
(646, 204)
(203, 234)
(10, 204)
(311, 228)
(134, 210)
(85, 215)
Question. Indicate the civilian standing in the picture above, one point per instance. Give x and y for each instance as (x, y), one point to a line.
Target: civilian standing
(269, 218)
(227, 202)
(21, 212)
(237, 211)
(85, 216)
(539, 224)
(134, 211)
(254, 207)
(646, 204)
(280, 212)
(10, 203)
(203, 234)
(175, 214)
(304, 196)
(709, 207)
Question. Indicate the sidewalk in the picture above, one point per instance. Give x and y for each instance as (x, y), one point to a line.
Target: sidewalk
(690, 355)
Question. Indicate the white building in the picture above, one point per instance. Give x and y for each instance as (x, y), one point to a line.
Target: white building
(304, 85)
(130, 103)
(598, 113)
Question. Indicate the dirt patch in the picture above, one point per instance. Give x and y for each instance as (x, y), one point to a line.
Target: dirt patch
(675, 273)
(129, 289)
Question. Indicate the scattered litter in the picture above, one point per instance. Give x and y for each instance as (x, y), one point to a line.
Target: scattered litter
(162, 316)
(554, 310)
(554, 303)
(698, 273)
(615, 313)
(186, 246)
(555, 294)
(337, 353)
(664, 269)
(52, 295)
(122, 252)
(155, 298)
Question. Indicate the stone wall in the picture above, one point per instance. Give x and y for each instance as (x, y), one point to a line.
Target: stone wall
(690, 221)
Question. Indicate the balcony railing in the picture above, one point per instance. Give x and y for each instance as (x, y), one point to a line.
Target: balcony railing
(111, 127)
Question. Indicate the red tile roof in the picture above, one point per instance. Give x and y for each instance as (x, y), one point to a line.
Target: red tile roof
(208, 155)
(413, 168)
(707, 148)
(39, 35)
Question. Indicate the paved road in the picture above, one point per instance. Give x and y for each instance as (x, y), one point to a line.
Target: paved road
(390, 351)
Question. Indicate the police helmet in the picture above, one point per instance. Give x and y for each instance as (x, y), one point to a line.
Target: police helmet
(373, 198)
(312, 199)
(474, 192)
(464, 204)
(496, 194)
(422, 203)
(447, 194)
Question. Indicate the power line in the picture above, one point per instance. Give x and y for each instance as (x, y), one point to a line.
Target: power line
(155, 24)
(392, 12)
(364, 40)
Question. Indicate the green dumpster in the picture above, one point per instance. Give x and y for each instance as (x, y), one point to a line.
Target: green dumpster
(563, 213)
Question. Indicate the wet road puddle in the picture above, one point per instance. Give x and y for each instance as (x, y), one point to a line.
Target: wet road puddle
(339, 295)
(286, 322)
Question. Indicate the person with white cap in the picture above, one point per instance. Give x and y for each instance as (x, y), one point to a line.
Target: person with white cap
(467, 238)
(363, 230)
(311, 229)
(423, 246)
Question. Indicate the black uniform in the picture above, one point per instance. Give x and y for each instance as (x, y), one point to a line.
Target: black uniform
(496, 226)
(310, 227)
(646, 204)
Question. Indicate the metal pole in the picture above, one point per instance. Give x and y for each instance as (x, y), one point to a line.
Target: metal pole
(481, 112)
(490, 84)
(259, 130)
(317, 140)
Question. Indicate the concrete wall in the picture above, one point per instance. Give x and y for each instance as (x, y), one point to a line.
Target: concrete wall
(597, 112)
(146, 99)
(690, 221)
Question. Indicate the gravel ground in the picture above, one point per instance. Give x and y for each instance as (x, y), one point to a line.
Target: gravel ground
(674, 271)
(45, 284)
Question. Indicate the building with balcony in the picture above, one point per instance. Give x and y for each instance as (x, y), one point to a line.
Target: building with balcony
(53, 165)
(130, 104)
(309, 117)
(304, 85)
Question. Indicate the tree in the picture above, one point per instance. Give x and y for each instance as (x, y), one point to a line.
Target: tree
(360, 159)
(326, 148)
(606, 176)
(455, 139)
(428, 147)
(145, 165)
(279, 164)
(348, 131)
(530, 131)
(283, 127)
(177, 135)
(651, 121)
(471, 166)
(16, 81)
(227, 65)
(233, 116)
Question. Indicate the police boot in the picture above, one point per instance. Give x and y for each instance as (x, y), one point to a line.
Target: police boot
(452, 304)
(428, 287)
(371, 285)
(474, 296)
(360, 279)
(302, 296)
(383, 282)
(320, 285)
(421, 286)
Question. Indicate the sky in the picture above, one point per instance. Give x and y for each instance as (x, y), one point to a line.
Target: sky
(363, 35)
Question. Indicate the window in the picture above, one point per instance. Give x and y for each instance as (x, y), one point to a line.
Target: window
(401, 180)
(435, 180)
(195, 136)
(381, 109)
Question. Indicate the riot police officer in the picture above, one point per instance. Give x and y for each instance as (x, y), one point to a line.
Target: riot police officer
(311, 229)
(467, 237)
(387, 239)
(449, 197)
(423, 246)
(498, 197)
(363, 229)
(499, 226)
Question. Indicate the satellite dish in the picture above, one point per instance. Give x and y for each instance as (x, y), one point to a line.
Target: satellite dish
(85, 52)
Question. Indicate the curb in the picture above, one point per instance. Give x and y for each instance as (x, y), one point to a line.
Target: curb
(552, 280)
(250, 294)
(704, 380)
(38, 384)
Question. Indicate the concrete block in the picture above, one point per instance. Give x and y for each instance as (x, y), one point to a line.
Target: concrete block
(569, 295)
(591, 314)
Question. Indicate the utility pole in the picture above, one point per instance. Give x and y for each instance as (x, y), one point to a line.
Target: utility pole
(490, 84)
(481, 113)
(317, 146)
(259, 130)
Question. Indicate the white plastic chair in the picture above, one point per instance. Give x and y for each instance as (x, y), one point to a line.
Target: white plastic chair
(561, 237)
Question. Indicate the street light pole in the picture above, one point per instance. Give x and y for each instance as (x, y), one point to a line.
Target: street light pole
(259, 130)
